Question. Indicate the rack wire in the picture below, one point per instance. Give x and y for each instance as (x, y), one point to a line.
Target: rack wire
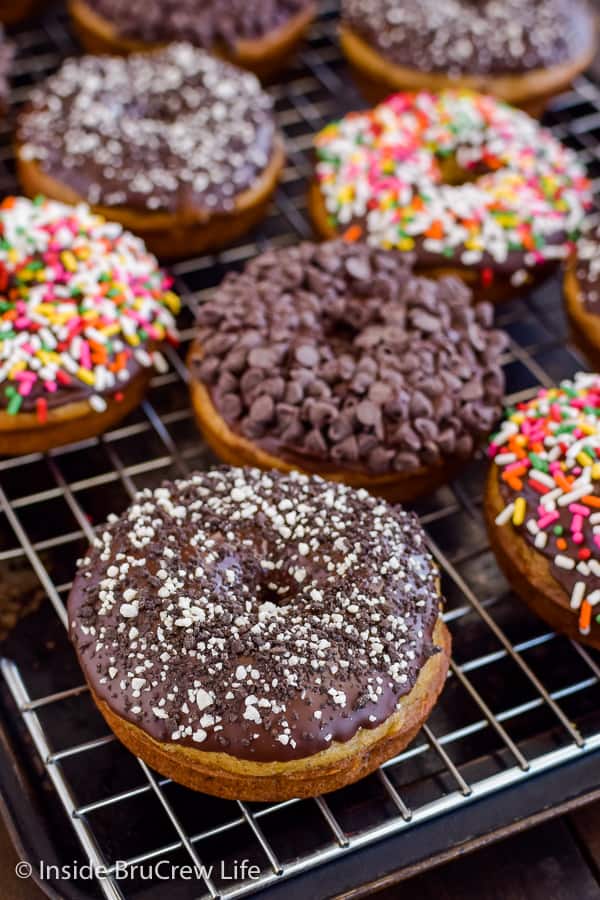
(520, 700)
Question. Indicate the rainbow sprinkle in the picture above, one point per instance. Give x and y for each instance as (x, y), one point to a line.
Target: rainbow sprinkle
(549, 453)
(82, 305)
(383, 171)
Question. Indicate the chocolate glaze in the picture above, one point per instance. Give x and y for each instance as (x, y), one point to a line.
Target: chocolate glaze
(75, 392)
(174, 130)
(338, 353)
(242, 601)
(206, 23)
(459, 37)
(588, 269)
(566, 578)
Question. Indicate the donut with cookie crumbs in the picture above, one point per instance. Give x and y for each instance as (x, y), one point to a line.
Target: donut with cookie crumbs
(542, 504)
(336, 359)
(474, 187)
(261, 636)
(84, 312)
(524, 53)
(261, 35)
(193, 154)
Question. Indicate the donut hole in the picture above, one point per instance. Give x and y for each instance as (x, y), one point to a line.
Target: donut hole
(274, 593)
(454, 174)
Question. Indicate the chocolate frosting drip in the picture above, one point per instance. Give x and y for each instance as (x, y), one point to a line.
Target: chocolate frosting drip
(256, 614)
(174, 130)
(205, 23)
(588, 269)
(480, 37)
(337, 352)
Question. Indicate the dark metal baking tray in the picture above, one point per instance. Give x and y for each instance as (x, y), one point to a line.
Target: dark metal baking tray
(516, 735)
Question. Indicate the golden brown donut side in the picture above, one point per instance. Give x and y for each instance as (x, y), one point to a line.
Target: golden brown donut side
(497, 292)
(585, 326)
(263, 56)
(171, 235)
(237, 450)
(528, 572)
(340, 764)
(378, 77)
(71, 422)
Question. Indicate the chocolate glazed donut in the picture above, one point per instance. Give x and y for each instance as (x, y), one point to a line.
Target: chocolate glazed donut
(336, 359)
(259, 636)
(193, 154)
(260, 36)
(523, 53)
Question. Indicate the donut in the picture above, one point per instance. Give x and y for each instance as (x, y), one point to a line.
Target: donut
(192, 155)
(523, 53)
(582, 294)
(471, 185)
(542, 505)
(260, 36)
(337, 360)
(260, 636)
(84, 311)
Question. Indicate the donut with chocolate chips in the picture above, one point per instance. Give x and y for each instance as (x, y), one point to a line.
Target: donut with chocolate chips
(260, 36)
(542, 505)
(178, 146)
(582, 294)
(261, 636)
(524, 53)
(336, 359)
(473, 186)
(84, 312)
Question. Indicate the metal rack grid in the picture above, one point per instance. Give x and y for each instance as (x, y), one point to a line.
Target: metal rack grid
(519, 701)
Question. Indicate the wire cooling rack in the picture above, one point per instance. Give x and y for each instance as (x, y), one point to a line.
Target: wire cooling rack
(520, 700)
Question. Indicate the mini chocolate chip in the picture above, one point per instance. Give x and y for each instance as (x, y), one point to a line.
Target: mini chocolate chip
(315, 443)
(231, 406)
(346, 449)
(262, 409)
(263, 357)
(368, 413)
(472, 390)
(424, 321)
(306, 355)
(406, 462)
(420, 405)
(250, 379)
(341, 427)
(358, 267)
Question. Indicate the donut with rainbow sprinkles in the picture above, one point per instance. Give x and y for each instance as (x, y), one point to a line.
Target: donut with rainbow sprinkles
(473, 186)
(542, 504)
(84, 313)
